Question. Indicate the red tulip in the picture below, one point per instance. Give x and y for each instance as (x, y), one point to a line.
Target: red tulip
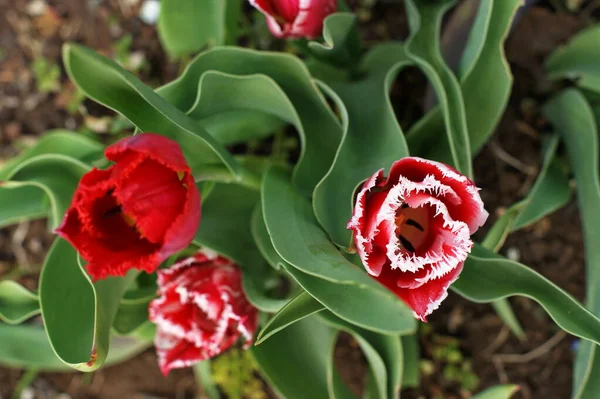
(202, 311)
(296, 18)
(412, 229)
(136, 213)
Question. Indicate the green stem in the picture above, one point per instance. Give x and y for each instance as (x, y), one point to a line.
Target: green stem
(26, 380)
(204, 380)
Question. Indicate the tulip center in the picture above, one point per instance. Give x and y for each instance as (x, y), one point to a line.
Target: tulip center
(412, 225)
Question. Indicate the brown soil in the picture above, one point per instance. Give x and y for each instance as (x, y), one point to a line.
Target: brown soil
(555, 252)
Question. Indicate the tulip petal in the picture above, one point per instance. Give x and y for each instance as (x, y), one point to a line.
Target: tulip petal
(202, 310)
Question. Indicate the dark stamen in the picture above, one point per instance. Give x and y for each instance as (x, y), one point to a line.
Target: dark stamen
(404, 206)
(114, 211)
(414, 224)
(406, 244)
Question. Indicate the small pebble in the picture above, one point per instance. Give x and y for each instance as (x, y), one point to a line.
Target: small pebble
(150, 11)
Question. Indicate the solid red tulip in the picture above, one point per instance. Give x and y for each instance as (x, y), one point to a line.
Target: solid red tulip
(412, 229)
(296, 18)
(202, 311)
(139, 211)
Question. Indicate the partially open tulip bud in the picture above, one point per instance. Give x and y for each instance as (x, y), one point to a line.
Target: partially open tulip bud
(136, 213)
(202, 311)
(412, 229)
(296, 18)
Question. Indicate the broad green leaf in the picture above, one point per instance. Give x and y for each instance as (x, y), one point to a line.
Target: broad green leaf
(323, 131)
(133, 310)
(372, 138)
(56, 175)
(60, 142)
(223, 94)
(22, 203)
(117, 89)
(263, 240)
(299, 371)
(77, 314)
(187, 26)
(296, 309)
(483, 61)
(423, 48)
(28, 346)
(573, 119)
(578, 60)
(322, 270)
(17, 303)
(487, 277)
(498, 392)
(235, 127)
(383, 353)
(411, 357)
(225, 228)
(342, 41)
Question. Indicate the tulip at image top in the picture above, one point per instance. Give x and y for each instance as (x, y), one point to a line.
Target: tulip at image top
(296, 18)
(412, 229)
(139, 211)
(201, 311)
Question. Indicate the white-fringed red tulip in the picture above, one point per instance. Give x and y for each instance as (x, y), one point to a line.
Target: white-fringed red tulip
(296, 18)
(202, 311)
(412, 229)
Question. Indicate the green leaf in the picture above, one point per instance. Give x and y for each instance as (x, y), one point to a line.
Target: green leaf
(484, 60)
(361, 152)
(226, 95)
(28, 346)
(508, 317)
(236, 127)
(60, 142)
(187, 26)
(342, 41)
(299, 371)
(578, 60)
(550, 192)
(411, 357)
(225, 228)
(487, 277)
(423, 48)
(572, 117)
(133, 310)
(296, 309)
(22, 203)
(498, 392)
(383, 353)
(56, 175)
(117, 89)
(77, 314)
(322, 130)
(263, 240)
(321, 269)
(17, 303)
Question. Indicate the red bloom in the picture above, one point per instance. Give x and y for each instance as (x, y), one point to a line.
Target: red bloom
(201, 312)
(412, 230)
(137, 212)
(296, 18)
